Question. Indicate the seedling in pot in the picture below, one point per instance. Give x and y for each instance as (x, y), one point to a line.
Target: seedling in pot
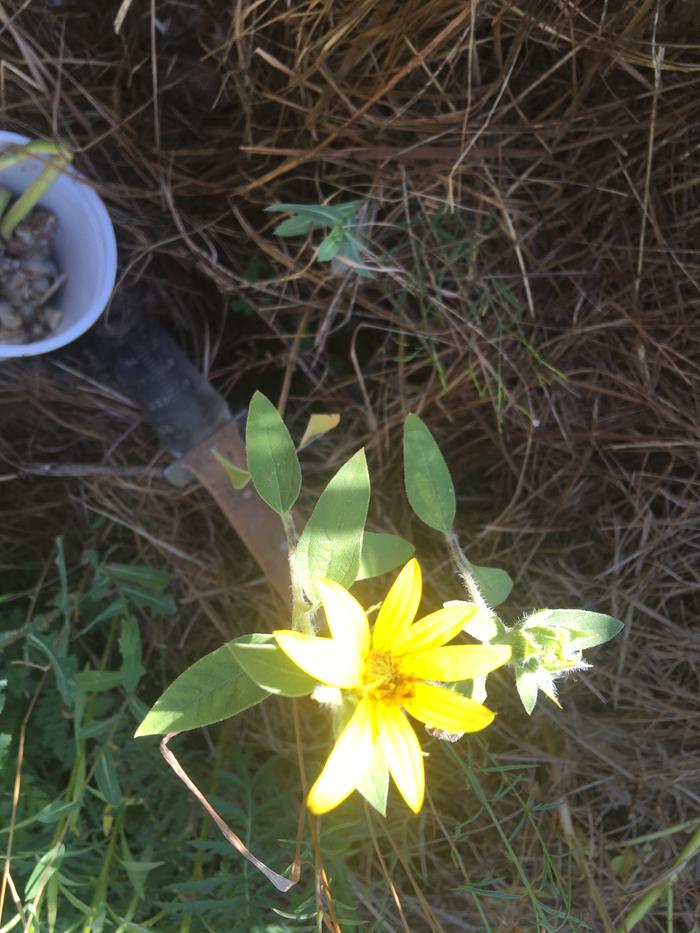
(29, 277)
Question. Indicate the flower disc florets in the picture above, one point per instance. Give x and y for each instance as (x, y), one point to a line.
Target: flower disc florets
(383, 679)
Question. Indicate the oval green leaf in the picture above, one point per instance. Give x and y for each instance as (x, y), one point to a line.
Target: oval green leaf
(265, 663)
(587, 629)
(381, 553)
(272, 459)
(429, 486)
(238, 477)
(331, 543)
(212, 689)
(494, 584)
(106, 778)
(330, 245)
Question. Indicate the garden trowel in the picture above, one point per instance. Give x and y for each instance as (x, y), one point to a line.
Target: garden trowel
(191, 420)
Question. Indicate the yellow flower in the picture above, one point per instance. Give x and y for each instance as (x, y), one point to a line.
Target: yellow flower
(389, 671)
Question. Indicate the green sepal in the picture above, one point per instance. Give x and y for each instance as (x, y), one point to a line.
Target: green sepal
(526, 684)
(374, 785)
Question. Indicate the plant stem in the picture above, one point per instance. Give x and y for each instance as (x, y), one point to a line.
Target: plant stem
(642, 907)
(301, 621)
(59, 157)
(5, 196)
(463, 568)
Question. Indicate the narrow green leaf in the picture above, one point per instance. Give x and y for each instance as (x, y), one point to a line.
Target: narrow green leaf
(63, 667)
(526, 683)
(92, 681)
(374, 786)
(382, 553)
(145, 577)
(272, 459)
(327, 215)
(5, 741)
(494, 584)
(56, 810)
(130, 647)
(161, 604)
(265, 663)
(98, 727)
(212, 689)
(587, 629)
(429, 486)
(296, 226)
(137, 873)
(48, 864)
(330, 245)
(351, 249)
(317, 426)
(107, 779)
(238, 477)
(331, 543)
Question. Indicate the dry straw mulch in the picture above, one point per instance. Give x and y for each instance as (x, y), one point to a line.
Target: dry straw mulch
(531, 173)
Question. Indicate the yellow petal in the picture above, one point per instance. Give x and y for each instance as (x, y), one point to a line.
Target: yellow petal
(346, 617)
(441, 708)
(399, 607)
(347, 763)
(434, 630)
(455, 662)
(322, 658)
(402, 752)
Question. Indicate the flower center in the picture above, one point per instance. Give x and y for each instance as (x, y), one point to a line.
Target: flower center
(383, 679)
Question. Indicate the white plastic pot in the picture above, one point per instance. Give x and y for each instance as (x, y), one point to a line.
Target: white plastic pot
(84, 248)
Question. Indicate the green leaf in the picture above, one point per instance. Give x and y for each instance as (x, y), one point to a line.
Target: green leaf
(106, 778)
(144, 577)
(48, 864)
(63, 667)
(350, 250)
(272, 459)
(56, 810)
(429, 486)
(330, 245)
(296, 226)
(265, 663)
(160, 603)
(494, 584)
(325, 215)
(317, 426)
(239, 478)
(331, 542)
(374, 785)
(526, 683)
(587, 629)
(130, 647)
(5, 741)
(212, 689)
(381, 553)
(92, 681)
